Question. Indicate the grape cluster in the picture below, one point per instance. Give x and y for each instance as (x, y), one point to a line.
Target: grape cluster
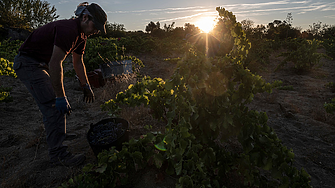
(104, 134)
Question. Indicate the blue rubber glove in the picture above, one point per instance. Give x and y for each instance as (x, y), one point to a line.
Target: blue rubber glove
(63, 106)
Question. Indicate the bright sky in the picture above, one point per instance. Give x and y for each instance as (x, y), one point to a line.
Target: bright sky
(136, 14)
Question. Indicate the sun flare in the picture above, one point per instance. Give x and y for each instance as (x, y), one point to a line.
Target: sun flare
(206, 24)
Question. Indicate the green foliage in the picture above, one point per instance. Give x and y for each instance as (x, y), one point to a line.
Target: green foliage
(154, 29)
(152, 26)
(204, 106)
(329, 45)
(26, 14)
(303, 54)
(113, 167)
(282, 29)
(103, 46)
(166, 31)
(328, 31)
(139, 43)
(115, 30)
(170, 46)
(100, 50)
(9, 48)
(259, 54)
(70, 73)
(330, 85)
(330, 107)
(315, 29)
(6, 68)
(173, 60)
(158, 41)
(143, 43)
(5, 94)
(161, 42)
(290, 88)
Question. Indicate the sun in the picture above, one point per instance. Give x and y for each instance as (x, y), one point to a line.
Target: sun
(205, 24)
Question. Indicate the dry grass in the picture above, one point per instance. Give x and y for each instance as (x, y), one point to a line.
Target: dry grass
(113, 86)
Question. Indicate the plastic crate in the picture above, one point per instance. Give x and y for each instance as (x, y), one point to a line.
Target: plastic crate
(95, 78)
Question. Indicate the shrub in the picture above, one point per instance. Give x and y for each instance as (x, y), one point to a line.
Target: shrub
(6, 69)
(329, 45)
(303, 54)
(9, 48)
(5, 94)
(102, 50)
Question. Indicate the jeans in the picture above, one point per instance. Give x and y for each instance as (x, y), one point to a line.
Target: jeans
(35, 77)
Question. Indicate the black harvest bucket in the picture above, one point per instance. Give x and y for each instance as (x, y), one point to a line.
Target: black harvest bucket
(108, 133)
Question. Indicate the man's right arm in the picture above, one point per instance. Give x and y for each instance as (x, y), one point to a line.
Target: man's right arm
(56, 71)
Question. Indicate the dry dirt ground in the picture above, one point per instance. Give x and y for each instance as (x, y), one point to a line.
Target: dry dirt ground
(297, 116)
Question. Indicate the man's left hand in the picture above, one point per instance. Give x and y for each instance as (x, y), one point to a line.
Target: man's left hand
(88, 94)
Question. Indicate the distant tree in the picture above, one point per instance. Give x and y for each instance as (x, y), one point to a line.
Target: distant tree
(191, 29)
(247, 24)
(288, 23)
(115, 30)
(276, 23)
(315, 29)
(26, 14)
(328, 31)
(179, 32)
(282, 29)
(306, 35)
(259, 31)
(289, 19)
(251, 31)
(328, 37)
(151, 27)
(10, 15)
(169, 28)
(155, 30)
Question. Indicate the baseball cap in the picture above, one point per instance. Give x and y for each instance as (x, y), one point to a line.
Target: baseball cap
(99, 16)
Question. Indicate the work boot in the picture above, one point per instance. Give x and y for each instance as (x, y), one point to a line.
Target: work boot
(69, 160)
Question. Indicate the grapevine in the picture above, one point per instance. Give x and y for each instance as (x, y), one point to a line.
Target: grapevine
(204, 104)
(9, 49)
(102, 50)
(330, 106)
(329, 45)
(303, 53)
(6, 69)
(5, 94)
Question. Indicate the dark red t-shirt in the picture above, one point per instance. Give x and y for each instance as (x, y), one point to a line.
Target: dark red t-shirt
(66, 34)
